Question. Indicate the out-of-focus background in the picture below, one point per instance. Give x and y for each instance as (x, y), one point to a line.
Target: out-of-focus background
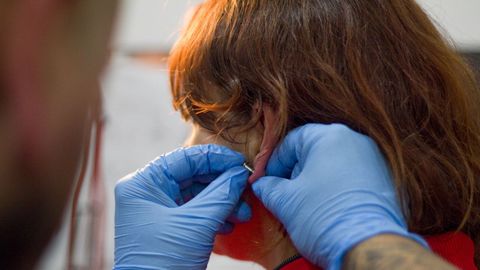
(140, 121)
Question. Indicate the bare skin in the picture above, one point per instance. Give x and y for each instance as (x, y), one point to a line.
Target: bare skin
(393, 252)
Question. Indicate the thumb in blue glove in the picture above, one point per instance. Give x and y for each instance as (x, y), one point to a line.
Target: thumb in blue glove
(167, 214)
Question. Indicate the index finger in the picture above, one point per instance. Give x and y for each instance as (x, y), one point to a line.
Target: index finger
(199, 160)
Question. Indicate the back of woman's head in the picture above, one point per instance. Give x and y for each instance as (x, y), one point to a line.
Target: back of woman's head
(377, 66)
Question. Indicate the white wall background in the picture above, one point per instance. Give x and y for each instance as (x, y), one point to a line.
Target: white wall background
(460, 19)
(151, 24)
(154, 23)
(141, 122)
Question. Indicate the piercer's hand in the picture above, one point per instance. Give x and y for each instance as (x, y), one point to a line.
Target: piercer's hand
(331, 188)
(168, 213)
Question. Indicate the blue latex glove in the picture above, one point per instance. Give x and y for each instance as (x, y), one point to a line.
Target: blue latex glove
(331, 188)
(168, 213)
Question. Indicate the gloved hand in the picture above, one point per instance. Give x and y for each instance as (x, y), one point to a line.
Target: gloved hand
(331, 188)
(168, 213)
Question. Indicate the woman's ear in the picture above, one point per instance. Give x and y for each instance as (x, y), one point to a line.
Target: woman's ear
(268, 142)
(257, 144)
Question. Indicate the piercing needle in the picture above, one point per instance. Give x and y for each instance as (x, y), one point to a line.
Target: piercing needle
(248, 167)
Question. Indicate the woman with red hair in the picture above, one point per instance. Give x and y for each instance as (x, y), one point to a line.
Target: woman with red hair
(248, 72)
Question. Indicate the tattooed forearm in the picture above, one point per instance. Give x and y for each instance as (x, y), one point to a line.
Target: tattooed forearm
(393, 252)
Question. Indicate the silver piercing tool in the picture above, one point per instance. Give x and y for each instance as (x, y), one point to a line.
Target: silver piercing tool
(248, 167)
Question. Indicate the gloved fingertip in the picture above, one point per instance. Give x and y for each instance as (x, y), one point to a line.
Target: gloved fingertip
(258, 186)
(239, 176)
(226, 228)
(256, 190)
(265, 185)
(241, 214)
(238, 170)
(225, 191)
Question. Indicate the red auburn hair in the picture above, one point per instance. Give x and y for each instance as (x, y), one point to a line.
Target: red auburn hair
(380, 67)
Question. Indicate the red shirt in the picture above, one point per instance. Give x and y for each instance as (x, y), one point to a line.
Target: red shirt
(456, 248)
